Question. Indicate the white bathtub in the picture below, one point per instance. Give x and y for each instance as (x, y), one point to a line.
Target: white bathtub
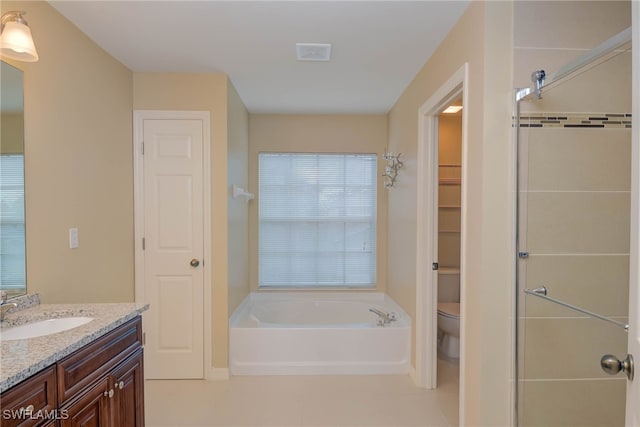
(314, 333)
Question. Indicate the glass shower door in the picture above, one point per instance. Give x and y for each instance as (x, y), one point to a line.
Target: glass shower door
(573, 240)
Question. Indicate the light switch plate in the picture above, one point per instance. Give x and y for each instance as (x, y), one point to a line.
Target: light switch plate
(73, 238)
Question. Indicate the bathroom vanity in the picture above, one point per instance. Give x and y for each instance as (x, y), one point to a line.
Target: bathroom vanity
(88, 375)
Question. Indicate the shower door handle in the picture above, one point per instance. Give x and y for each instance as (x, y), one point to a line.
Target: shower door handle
(612, 365)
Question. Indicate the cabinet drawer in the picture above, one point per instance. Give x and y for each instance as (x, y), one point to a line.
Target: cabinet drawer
(37, 394)
(95, 359)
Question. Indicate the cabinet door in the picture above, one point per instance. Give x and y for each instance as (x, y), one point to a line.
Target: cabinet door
(127, 405)
(30, 402)
(90, 409)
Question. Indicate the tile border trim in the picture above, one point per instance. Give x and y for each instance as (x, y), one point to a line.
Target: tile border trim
(575, 120)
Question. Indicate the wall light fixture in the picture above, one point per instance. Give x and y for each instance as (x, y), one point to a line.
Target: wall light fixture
(391, 169)
(15, 38)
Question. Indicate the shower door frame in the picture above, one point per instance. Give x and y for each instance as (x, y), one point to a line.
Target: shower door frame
(632, 415)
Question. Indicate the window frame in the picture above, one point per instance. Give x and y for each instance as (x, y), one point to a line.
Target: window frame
(373, 221)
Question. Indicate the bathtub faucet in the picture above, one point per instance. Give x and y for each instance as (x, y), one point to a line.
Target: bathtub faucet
(383, 318)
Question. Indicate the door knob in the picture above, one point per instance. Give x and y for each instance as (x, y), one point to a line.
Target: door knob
(194, 263)
(612, 365)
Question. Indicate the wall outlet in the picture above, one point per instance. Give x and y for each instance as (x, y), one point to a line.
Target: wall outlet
(73, 238)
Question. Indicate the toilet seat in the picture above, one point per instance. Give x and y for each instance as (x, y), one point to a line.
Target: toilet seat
(449, 309)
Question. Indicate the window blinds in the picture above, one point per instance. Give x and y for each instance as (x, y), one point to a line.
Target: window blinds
(12, 228)
(317, 220)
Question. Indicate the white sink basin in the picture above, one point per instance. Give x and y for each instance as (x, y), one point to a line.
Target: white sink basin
(43, 327)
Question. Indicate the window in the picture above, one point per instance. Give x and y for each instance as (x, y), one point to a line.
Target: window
(317, 220)
(12, 229)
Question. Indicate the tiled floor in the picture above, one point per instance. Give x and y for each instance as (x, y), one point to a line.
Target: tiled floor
(362, 400)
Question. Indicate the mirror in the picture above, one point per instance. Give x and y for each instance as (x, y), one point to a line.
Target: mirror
(12, 220)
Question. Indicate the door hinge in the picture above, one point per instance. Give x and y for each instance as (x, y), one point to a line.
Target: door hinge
(144, 338)
(143, 244)
(143, 148)
(435, 266)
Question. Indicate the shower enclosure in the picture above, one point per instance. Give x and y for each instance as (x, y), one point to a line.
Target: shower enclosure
(573, 133)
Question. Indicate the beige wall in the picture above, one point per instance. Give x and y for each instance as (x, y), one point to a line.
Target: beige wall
(450, 139)
(319, 133)
(201, 92)
(483, 39)
(575, 197)
(79, 173)
(238, 174)
(11, 133)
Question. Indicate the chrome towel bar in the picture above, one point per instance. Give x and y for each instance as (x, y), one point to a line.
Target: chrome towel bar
(542, 293)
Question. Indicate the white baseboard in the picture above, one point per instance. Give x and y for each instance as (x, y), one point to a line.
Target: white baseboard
(218, 374)
(319, 368)
(413, 375)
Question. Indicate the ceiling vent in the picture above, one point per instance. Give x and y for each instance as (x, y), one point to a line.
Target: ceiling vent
(313, 51)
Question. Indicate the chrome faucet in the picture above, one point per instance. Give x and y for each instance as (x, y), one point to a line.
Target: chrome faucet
(4, 305)
(383, 318)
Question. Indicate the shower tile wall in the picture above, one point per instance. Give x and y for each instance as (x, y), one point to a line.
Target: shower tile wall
(575, 212)
(577, 235)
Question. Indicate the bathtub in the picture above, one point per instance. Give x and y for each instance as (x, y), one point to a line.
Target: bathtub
(315, 333)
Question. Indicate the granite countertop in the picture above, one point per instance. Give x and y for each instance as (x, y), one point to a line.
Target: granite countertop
(20, 359)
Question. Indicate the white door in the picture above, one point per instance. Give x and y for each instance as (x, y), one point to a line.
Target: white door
(633, 387)
(173, 248)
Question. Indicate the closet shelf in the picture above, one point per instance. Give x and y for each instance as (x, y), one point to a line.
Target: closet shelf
(449, 206)
(449, 181)
(449, 231)
(449, 270)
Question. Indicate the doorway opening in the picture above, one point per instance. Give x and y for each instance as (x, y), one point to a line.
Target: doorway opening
(441, 225)
(449, 235)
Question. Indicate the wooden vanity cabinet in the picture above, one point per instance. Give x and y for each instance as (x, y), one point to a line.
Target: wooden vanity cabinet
(115, 400)
(101, 385)
(94, 360)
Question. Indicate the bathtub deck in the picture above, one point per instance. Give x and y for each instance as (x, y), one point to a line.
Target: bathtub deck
(362, 400)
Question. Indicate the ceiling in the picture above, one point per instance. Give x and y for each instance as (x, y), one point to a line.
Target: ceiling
(377, 46)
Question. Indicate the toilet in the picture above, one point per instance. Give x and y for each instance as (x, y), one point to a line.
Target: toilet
(449, 313)
(449, 329)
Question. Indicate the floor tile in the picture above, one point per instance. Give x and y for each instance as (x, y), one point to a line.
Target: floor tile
(310, 401)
